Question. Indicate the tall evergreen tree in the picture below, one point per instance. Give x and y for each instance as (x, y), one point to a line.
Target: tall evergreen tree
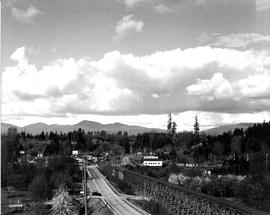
(171, 126)
(173, 130)
(196, 130)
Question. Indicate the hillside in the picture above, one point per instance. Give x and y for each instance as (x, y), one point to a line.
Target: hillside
(225, 128)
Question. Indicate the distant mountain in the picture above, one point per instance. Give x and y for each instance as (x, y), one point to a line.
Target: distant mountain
(89, 124)
(225, 128)
(36, 128)
(6, 126)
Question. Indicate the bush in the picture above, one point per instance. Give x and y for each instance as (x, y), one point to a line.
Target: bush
(39, 209)
(173, 168)
(125, 188)
(39, 188)
(153, 207)
(254, 191)
(65, 165)
(58, 178)
(193, 172)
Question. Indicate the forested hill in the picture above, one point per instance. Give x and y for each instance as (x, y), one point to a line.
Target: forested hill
(254, 139)
(225, 128)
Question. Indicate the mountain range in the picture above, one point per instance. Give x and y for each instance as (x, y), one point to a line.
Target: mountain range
(37, 128)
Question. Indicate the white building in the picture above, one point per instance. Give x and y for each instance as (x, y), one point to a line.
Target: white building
(152, 161)
(75, 152)
(40, 155)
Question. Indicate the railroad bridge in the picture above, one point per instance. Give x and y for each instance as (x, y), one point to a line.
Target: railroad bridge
(178, 200)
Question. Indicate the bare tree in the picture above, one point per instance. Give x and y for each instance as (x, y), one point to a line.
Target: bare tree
(62, 202)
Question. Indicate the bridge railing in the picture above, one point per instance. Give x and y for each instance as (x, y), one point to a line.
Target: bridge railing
(228, 205)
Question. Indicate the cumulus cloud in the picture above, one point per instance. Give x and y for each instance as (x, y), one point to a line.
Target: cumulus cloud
(262, 5)
(202, 79)
(254, 86)
(217, 87)
(19, 56)
(25, 16)
(128, 26)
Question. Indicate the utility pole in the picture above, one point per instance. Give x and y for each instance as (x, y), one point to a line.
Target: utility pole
(85, 187)
(266, 161)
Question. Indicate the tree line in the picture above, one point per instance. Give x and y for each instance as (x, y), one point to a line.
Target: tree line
(249, 143)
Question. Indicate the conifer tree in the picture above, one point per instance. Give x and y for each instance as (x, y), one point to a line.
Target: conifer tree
(171, 126)
(196, 130)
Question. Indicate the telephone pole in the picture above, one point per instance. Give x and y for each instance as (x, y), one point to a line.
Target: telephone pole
(85, 187)
(266, 162)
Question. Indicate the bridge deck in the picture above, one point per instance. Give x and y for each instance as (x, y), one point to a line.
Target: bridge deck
(118, 205)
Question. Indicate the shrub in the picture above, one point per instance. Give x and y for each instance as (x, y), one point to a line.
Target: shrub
(59, 178)
(39, 188)
(153, 207)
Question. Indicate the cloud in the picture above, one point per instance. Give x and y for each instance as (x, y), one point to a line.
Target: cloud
(217, 87)
(25, 16)
(201, 79)
(128, 26)
(19, 56)
(161, 8)
(133, 3)
(254, 86)
(154, 5)
(262, 5)
(241, 40)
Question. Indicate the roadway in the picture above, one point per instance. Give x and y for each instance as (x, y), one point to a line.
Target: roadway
(119, 206)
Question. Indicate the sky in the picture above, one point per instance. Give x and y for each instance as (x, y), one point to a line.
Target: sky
(135, 61)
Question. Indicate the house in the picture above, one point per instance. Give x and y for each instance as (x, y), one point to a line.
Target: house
(40, 155)
(75, 152)
(152, 161)
(16, 204)
(95, 159)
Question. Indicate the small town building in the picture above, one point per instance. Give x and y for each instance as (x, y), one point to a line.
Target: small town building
(75, 152)
(40, 155)
(152, 161)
